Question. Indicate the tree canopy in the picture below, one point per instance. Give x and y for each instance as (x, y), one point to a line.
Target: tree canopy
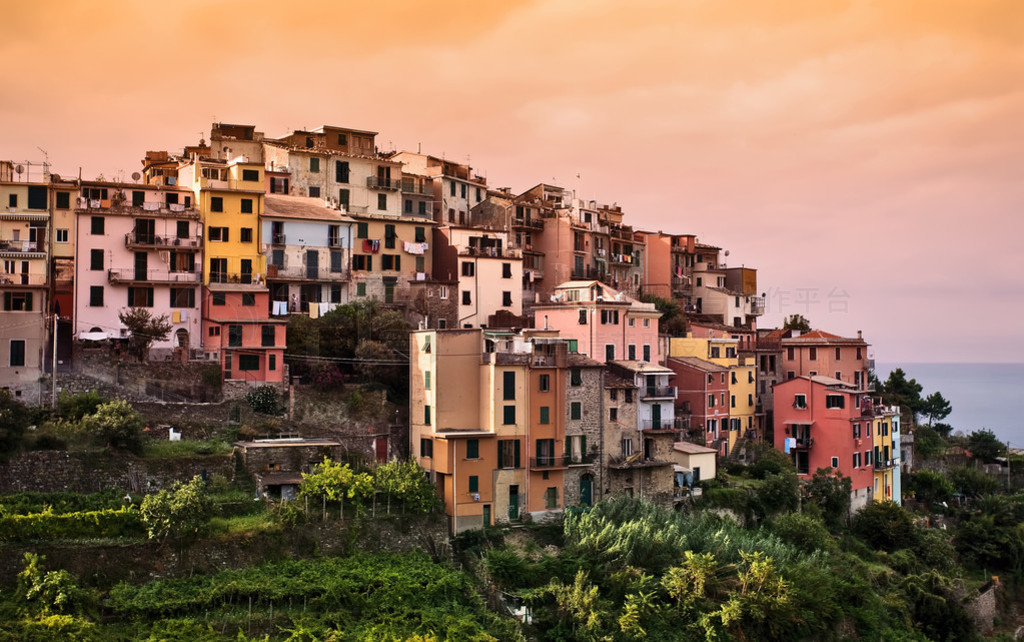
(145, 329)
(797, 322)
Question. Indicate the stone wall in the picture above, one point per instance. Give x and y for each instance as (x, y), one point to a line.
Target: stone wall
(984, 608)
(90, 472)
(589, 395)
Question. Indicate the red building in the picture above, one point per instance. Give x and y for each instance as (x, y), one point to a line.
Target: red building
(239, 333)
(826, 423)
(702, 405)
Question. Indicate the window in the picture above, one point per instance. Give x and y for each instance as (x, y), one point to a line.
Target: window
(314, 191)
(732, 401)
(218, 234)
(343, 198)
(17, 352)
(575, 410)
(96, 227)
(63, 200)
(362, 262)
(750, 399)
(838, 352)
(248, 362)
(12, 200)
(790, 375)
(271, 362)
(609, 352)
(790, 354)
(613, 414)
(140, 297)
(508, 453)
(246, 235)
(629, 396)
(360, 289)
(250, 175)
(609, 317)
(472, 449)
(37, 197)
(426, 415)
(452, 186)
(647, 352)
(95, 259)
(550, 496)
(545, 414)
(246, 206)
(183, 298)
(96, 296)
(466, 298)
(426, 380)
(856, 460)
(182, 230)
(835, 463)
(631, 352)
(613, 394)
(545, 382)
(506, 270)
(422, 207)
(835, 401)
(575, 377)
(382, 201)
(314, 165)
(506, 299)
(583, 317)
(268, 336)
(336, 261)
(474, 484)
(217, 298)
(391, 262)
(248, 298)
(867, 457)
(858, 354)
(62, 236)
(216, 204)
(800, 401)
(362, 230)
(508, 385)
(468, 268)
(711, 401)
(733, 376)
(426, 447)
(856, 431)
(508, 415)
(408, 206)
(839, 375)
(389, 236)
(235, 336)
(341, 171)
(812, 354)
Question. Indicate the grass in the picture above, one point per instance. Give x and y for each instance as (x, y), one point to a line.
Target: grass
(185, 448)
(244, 525)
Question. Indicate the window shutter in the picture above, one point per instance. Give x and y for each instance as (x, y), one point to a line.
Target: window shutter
(583, 445)
(7, 301)
(398, 261)
(28, 301)
(516, 453)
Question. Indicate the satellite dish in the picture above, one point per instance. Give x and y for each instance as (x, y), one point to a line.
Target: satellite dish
(727, 252)
(136, 176)
(20, 169)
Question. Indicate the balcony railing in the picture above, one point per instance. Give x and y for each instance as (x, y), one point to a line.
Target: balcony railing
(171, 210)
(659, 425)
(650, 392)
(125, 275)
(550, 461)
(335, 241)
(682, 423)
(636, 460)
(413, 188)
(278, 239)
(303, 273)
(383, 183)
(528, 223)
(245, 278)
(884, 464)
(757, 305)
(23, 247)
(804, 442)
(136, 239)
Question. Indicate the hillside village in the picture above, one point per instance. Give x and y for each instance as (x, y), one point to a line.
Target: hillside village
(560, 355)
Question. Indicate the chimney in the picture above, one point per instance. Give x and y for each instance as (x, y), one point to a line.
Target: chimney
(860, 335)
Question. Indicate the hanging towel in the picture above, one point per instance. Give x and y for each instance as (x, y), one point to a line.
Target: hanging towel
(367, 245)
(314, 310)
(184, 316)
(176, 316)
(324, 309)
(376, 245)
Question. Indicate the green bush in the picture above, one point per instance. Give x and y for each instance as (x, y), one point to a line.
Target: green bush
(803, 531)
(74, 407)
(770, 462)
(264, 400)
(115, 424)
(181, 511)
(121, 522)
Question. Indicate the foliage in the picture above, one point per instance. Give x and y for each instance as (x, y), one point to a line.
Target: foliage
(186, 448)
(930, 487)
(771, 462)
(803, 531)
(885, 526)
(74, 407)
(178, 512)
(898, 390)
(212, 378)
(673, 320)
(927, 442)
(830, 491)
(985, 543)
(408, 484)
(778, 493)
(334, 482)
(144, 329)
(934, 606)
(14, 419)
(115, 424)
(59, 502)
(935, 407)
(120, 522)
(984, 445)
(264, 400)
(797, 322)
(49, 591)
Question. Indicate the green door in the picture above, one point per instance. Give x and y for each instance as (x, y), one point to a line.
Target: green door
(487, 515)
(513, 503)
(587, 490)
(656, 417)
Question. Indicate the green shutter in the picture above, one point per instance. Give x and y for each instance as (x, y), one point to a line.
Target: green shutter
(583, 445)
(516, 453)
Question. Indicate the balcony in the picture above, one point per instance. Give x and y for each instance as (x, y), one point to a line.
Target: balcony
(650, 392)
(376, 182)
(409, 187)
(636, 460)
(9, 247)
(278, 239)
(622, 259)
(335, 241)
(131, 275)
(304, 273)
(660, 426)
(580, 460)
(527, 223)
(245, 278)
(137, 240)
(757, 305)
(153, 209)
(491, 252)
(8, 281)
(624, 233)
(550, 462)
(681, 423)
(884, 464)
(804, 442)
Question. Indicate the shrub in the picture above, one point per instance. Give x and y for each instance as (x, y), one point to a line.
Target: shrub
(805, 532)
(121, 522)
(74, 407)
(931, 487)
(885, 525)
(264, 400)
(179, 512)
(115, 424)
(770, 462)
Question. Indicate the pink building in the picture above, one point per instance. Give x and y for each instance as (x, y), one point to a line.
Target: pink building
(822, 422)
(239, 334)
(138, 246)
(703, 401)
(602, 323)
(829, 355)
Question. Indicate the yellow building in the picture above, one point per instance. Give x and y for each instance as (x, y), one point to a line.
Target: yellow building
(387, 253)
(884, 426)
(723, 351)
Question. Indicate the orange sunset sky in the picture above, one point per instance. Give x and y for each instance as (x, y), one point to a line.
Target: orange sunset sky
(865, 156)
